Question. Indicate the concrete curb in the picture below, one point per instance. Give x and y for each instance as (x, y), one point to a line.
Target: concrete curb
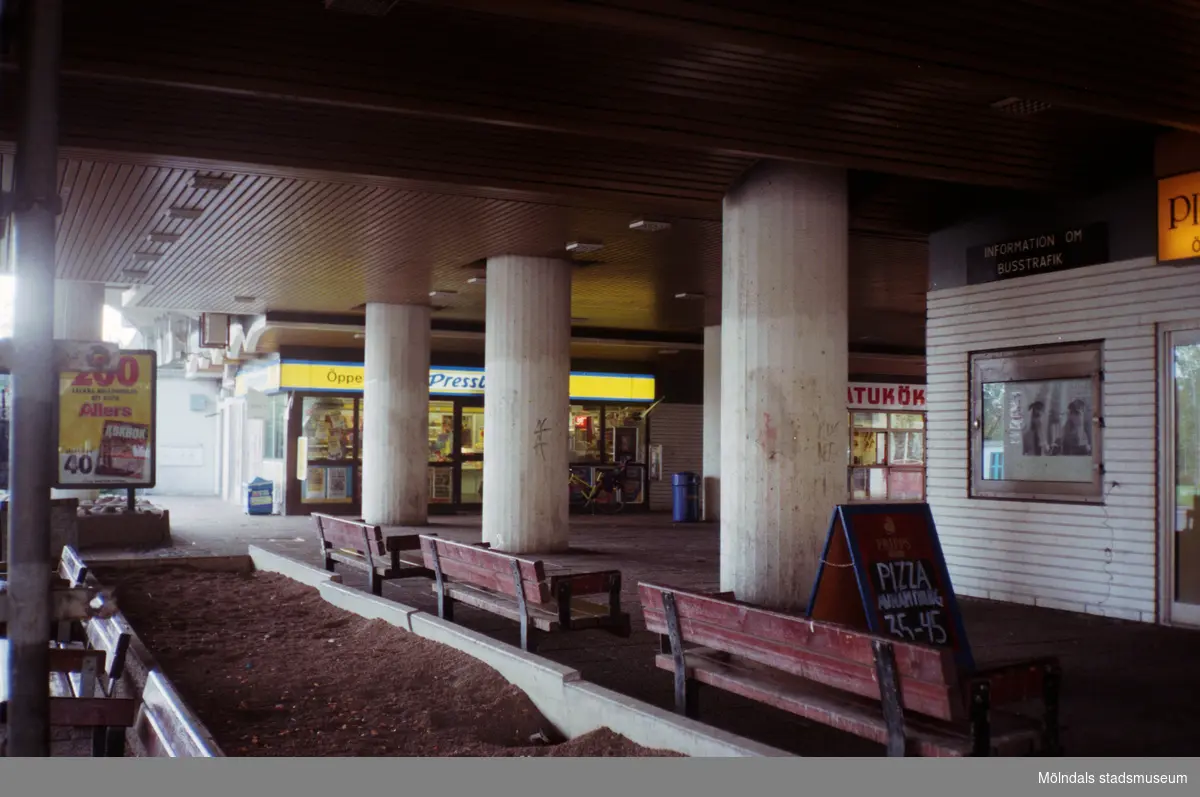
(366, 605)
(591, 706)
(574, 706)
(303, 572)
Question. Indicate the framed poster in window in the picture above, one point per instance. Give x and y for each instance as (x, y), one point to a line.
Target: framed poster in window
(1036, 421)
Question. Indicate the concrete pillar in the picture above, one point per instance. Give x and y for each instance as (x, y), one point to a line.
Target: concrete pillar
(527, 355)
(78, 310)
(712, 424)
(784, 365)
(395, 445)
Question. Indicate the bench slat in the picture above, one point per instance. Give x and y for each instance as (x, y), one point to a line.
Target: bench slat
(88, 712)
(849, 713)
(821, 652)
(351, 533)
(485, 568)
(166, 728)
(584, 614)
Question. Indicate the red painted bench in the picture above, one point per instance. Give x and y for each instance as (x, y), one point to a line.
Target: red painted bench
(362, 546)
(520, 590)
(910, 697)
(82, 677)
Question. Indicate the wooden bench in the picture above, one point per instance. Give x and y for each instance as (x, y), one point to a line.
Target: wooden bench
(520, 590)
(108, 717)
(910, 697)
(362, 546)
(165, 726)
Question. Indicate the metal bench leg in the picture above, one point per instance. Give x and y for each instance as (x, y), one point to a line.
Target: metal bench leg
(889, 696)
(621, 625)
(100, 742)
(376, 583)
(563, 598)
(981, 728)
(1051, 684)
(519, 586)
(445, 602)
(686, 693)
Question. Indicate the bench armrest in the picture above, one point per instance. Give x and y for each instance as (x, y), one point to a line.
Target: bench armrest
(1015, 682)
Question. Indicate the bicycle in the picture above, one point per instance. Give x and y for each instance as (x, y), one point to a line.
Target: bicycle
(609, 481)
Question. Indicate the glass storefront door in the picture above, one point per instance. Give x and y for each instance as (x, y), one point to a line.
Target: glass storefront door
(327, 450)
(887, 456)
(470, 449)
(1181, 396)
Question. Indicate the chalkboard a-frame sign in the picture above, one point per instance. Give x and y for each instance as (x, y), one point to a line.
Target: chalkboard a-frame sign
(883, 571)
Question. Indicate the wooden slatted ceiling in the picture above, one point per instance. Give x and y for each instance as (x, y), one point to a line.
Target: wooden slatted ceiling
(326, 246)
(363, 80)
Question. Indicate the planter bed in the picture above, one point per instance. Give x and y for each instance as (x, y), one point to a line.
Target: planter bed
(273, 670)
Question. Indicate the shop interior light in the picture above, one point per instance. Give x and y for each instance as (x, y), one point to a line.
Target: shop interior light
(583, 247)
(649, 225)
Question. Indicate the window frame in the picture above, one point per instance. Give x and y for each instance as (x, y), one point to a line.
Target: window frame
(887, 466)
(1080, 360)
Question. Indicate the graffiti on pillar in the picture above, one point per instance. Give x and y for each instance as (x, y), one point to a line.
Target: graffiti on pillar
(539, 444)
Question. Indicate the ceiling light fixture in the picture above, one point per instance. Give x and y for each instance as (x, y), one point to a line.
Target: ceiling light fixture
(686, 295)
(442, 293)
(649, 225)
(477, 281)
(189, 214)
(163, 237)
(146, 257)
(583, 247)
(208, 183)
(245, 299)
(135, 273)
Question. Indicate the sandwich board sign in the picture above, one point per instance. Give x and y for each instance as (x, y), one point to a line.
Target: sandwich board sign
(883, 571)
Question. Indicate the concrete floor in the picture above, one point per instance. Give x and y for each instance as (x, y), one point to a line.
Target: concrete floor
(1129, 688)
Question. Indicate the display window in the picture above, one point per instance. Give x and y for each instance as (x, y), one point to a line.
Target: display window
(887, 456)
(327, 449)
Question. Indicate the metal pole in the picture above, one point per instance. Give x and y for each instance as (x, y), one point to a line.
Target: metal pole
(34, 385)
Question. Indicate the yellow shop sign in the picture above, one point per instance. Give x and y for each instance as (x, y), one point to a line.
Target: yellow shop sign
(1179, 218)
(349, 378)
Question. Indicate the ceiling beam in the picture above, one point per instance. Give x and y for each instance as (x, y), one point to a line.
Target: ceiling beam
(1016, 58)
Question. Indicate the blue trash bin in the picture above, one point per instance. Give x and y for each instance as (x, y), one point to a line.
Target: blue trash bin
(686, 489)
(260, 497)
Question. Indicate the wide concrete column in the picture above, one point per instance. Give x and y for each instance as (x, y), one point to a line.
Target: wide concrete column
(527, 356)
(395, 489)
(711, 465)
(78, 310)
(784, 365)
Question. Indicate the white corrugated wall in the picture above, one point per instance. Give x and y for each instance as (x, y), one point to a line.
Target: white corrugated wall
(1094, 559)
(680, 430)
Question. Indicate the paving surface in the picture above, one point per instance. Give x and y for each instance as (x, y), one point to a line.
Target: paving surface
(1129, 688)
